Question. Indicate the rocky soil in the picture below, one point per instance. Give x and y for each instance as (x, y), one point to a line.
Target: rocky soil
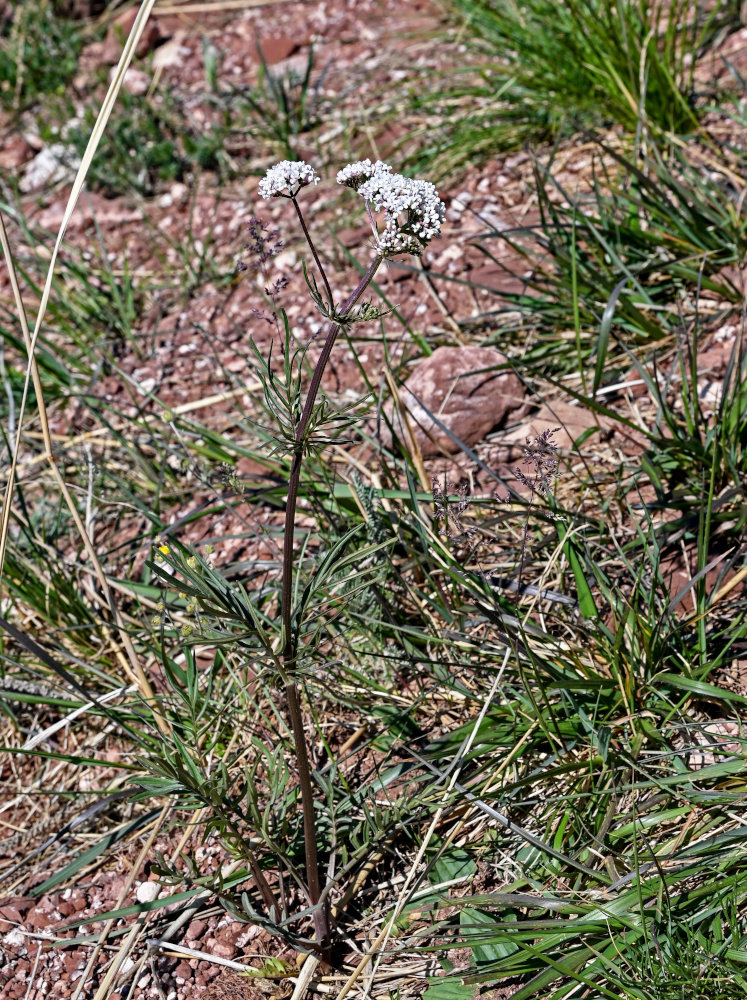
(194, 354)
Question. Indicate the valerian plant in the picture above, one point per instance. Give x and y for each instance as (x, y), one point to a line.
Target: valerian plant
(405, 215)
(413, 214)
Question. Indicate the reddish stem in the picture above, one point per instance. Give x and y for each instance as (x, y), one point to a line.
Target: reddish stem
(321, 915)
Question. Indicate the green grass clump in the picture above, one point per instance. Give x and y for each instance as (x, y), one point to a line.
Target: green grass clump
(38, 54)
(147, 144)
(541, 69)
(628, 254)
(281, 111)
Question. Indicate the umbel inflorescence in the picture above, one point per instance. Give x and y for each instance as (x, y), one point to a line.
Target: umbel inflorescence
(413, 211)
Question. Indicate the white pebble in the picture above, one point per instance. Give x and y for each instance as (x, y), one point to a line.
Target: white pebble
(147, 891)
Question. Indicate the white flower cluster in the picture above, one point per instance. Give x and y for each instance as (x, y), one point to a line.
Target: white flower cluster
(355, 174)
(286, 178)
(413, 211)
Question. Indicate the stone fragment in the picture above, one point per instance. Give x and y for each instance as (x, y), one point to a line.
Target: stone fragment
(10, 917)
(119, 31)
(567, 421)
(195, 930)
(171, 53)
(453, 385)
(38, 918)
(15, 151)
(274, 50)
(135, 82)
(54, 163)
(183, 972)
(108, 213)
(146, 892)
(223, 949)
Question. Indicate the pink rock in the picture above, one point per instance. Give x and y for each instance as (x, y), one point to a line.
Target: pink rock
(119, 31)
(136, 82)
(183, 971)
(10, 916)
(108, 212)
(15, 151)
(38, 918)
(195, 929)
(222, 949)
(230, 933)
(453, 385)
(274, 50)
(568, 423)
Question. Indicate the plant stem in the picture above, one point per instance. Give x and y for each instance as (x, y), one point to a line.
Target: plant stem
(309, 240)
(321, 915)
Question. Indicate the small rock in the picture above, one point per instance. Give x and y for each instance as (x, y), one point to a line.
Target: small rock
(135, 82)
(119, 31)
(10, 916)
(285, 260)
(230, 933)
(274, 50)
(491, 216)
(171, 53)
(179, 192)
(38, 918)
(453, 385)
(452, 252)
(568, 423)
(54, 163)
(147, 891)
(223, 949)
(107, 212)
(458, 206)
(517, 160)
(195, 930)
(183, 971)
(354, 237)
(576, 166)
(15, 939)
(15, 151)
(293, 67)
(11, 912)
(73, 962)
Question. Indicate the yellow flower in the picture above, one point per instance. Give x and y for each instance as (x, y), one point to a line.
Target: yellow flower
(164, 548)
